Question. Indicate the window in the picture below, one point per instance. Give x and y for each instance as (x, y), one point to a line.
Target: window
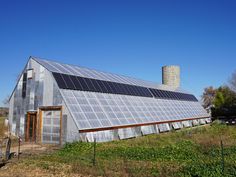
(24, 85)
(30, 73)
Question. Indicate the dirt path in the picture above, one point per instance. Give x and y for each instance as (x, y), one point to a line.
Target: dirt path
(29, 148)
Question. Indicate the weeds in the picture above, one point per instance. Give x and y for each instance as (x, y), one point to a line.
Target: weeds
(187, 152)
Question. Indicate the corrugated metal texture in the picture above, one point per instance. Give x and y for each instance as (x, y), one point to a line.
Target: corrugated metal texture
(125, 133)
(101, 136)
(177, 125)
(64, 128)
(137, 131)
(164, 127)
(71, 134)
(195, 122)
(187, 123)
(208, 120)
(39, 92)
(202, 121)
(149, 129)
(39, 85)
(10, 115)
(48, 87)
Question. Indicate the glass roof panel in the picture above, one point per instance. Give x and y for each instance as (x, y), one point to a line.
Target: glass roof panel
(91, 73)
(93, 110)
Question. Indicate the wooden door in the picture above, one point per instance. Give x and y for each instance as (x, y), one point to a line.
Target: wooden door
(31, 125)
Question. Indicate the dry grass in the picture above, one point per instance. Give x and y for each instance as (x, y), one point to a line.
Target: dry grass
(24, 169)
(213, 137)
(3, 129)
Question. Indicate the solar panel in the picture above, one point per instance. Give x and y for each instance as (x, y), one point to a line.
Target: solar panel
(90, 85)
(102, 86)
(172, 95)
(86, 84)
(60, 80)
(77, 84)
(83, 83)
(112, 87)
(97, 86)
(68, 82)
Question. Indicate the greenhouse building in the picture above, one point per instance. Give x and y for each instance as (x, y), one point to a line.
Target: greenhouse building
(54, 103)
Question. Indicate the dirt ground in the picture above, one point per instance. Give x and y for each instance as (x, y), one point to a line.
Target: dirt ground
(20, 168)
(31, 148)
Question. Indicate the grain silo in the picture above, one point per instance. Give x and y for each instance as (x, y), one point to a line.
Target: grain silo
(171, 76)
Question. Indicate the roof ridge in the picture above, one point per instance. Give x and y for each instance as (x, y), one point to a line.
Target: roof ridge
(154, 84)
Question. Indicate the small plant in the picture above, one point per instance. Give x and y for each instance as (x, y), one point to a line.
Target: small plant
(188, 152)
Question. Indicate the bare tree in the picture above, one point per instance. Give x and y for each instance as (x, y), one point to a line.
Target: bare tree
(6, 101)
(232, 82)
(208, 96)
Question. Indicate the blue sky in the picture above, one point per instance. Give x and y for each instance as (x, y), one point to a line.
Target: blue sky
(129, 37)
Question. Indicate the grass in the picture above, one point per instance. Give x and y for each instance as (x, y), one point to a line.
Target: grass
(188, 152)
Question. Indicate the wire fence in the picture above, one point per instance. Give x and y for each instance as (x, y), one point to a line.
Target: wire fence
(10, 148)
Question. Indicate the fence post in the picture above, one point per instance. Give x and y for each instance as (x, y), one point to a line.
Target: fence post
(19, 141)
(0, 150)
(222, 156)
(94, 152)
(8, 148)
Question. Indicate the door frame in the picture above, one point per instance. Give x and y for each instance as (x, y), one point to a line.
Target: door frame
(49, 108)
(35, 125)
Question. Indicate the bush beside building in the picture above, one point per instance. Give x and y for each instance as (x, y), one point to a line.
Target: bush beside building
(3, 112)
